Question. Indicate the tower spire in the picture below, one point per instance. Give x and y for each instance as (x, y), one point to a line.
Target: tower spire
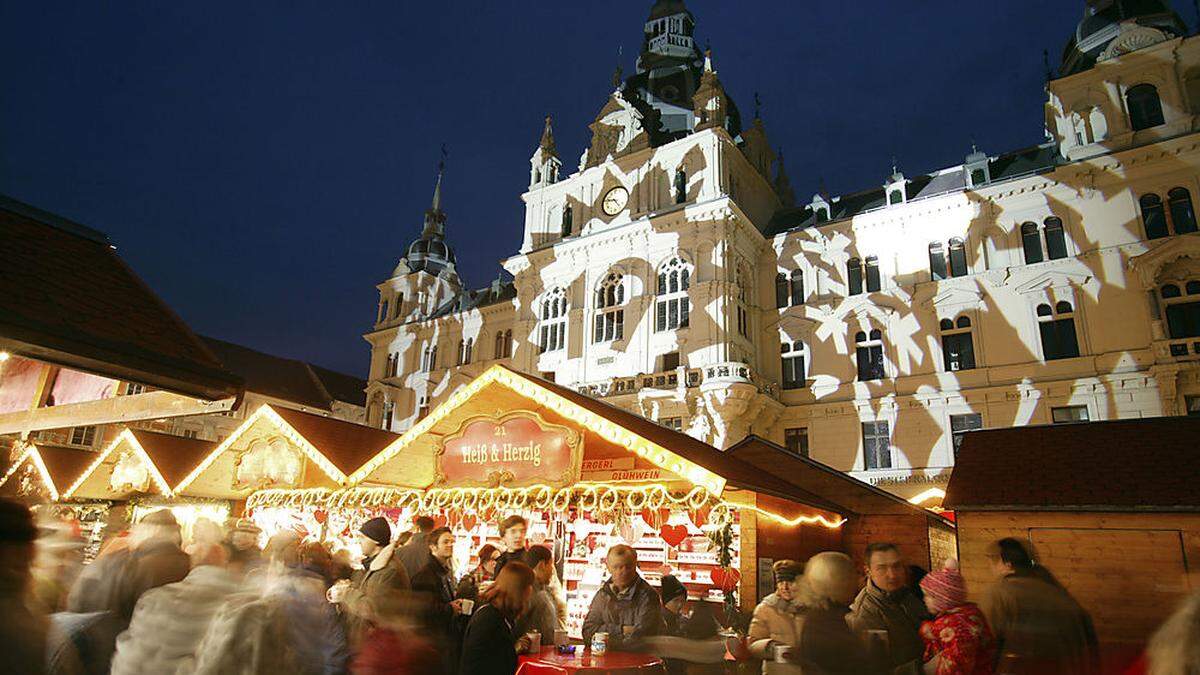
(435, 218)
(547, 143)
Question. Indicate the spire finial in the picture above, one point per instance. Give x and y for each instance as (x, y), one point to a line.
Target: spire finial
(547, 142)
(757, 106)
(437, 187)
(708, 60)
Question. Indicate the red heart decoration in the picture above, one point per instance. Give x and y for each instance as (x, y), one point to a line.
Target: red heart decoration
(439, 521)
(664, 515)
(469, 522)
(320, 516)
(726, 578)
(673, 534)
(700, 516)
(648, 516)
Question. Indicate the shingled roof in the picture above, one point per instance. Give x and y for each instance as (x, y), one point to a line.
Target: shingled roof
(67, 298)
(289, 379)
(1122, 465)
(346, 444)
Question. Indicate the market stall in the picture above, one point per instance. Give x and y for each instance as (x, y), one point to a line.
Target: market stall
(40, 475)
(586, 475)
(138, 469)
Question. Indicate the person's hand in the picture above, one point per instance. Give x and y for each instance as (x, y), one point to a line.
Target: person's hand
(337, 592)
(456, 606)
(523, 644)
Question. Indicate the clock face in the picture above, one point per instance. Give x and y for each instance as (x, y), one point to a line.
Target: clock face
(615, 200)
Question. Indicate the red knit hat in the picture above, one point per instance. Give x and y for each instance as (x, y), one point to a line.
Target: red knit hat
(945, 587)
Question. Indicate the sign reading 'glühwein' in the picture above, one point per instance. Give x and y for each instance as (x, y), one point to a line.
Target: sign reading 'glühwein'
(514, 450)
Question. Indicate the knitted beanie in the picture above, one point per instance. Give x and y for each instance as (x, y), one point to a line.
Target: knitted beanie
(378, 530)
(672, 588)
(945, 587)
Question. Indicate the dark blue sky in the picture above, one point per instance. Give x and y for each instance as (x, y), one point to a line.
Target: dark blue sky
(264, 165)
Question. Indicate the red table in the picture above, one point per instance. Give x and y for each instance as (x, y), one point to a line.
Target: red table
(550, 662)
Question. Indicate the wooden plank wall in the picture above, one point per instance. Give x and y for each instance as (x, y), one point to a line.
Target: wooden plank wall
(909, 532)
(1128, 570)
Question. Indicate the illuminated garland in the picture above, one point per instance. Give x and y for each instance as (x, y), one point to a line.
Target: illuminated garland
(593, 498)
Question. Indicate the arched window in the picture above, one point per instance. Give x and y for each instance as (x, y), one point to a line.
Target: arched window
(552, 331)
(958, 350)
(822, 214)
(1182, 310)
(1145, 108)
(498, 348)
(504, 344)
(1183, 217)
(1056, 241)
(958, 258)
(610, 315)
(422, 407)
(429, 358)
(383, 311)
(1154, 218)
(671, 308)
(797, 287)
(793, 361)
(869, 354)
(1031, 241)
(741, 280)
(680, 185)
(465, 347)
(389, 411)
(937, 261)
(781, 290)
(567, 220)
(389, 369)
(895, 197)
(854, 277)
(873, 283)
(1057, 328)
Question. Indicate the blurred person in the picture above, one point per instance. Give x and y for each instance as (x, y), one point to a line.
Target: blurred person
(1038, 626)
(403, 538)
(434, 588)
(397, 644)
(625, 607)
(513, 531)
(803, 629)
(490, 646)
(382, 574)
(414, 554)
(683, 618)
(542, 613)
(23, 631)
(169, 622)
(1175, 646)
(316, 559)
(244, 537)
(484, 573)
(205, 533)
(915, 574)
(888, 603)
(957, 639)
(59, 559)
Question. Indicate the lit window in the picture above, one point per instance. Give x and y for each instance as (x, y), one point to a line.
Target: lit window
(552, 331)
(795, 440)
(792, 361)
(1145, 108)
(1057, 328)
(877, 445)
(958, 350)
(671, 309)
(610, 315)
(1069, 413)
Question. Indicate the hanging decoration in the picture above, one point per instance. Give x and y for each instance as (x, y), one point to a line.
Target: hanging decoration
(673, 534)
(129, 474)
(268, 463)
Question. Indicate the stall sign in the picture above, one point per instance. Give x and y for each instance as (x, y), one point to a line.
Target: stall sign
(618, 469)
(515, 450)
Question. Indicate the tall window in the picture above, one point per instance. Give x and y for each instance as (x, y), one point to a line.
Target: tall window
(958, 351)
(854, 277)
(789, 289)
(567, 220)
(873, 284)
(961, 424)
(796, 286)
(795, 440)
(1057, 327)
(465, 347)
(503, 347)
(680, 186)
(1154, 216)
(743, 319)
(422, 408)
(383, 311)
(610, 317)
(781, 290)
(1031, 241)
(937, 261)
(398, 305)
(792, 359)
(671, 308)
(552, 333)
(1182, 308)
(429, 358)
(1056, 241)
(1145, 108)
(958, 258)
(84, 436)
(391, 368)
(869, 353)
(877, 445)
(389, 410)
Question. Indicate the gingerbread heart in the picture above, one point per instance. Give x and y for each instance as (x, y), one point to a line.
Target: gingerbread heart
(673, 534)
(726, 578)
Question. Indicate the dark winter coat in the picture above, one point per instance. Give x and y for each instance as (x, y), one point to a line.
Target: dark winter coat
(489, 647)
(414, 554)
(637, 606)
(382, 575)
(1039, 626)
(435, 582)
(900, 613)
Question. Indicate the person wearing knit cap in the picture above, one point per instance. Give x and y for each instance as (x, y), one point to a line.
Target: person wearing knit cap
(958, 640)
(382, 576)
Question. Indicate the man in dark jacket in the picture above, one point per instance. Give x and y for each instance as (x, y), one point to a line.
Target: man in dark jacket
(382, 575)
(542, 613)
(414, 553)
(888, 603)
(625, 607)
(512, 532)
(435, 586)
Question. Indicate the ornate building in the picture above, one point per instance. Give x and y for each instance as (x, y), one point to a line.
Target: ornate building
(671, 273)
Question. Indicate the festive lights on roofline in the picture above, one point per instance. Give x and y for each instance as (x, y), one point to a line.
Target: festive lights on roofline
(929, 495)
(125, 436)
(594, 498)
(651, 452)
(31, 454)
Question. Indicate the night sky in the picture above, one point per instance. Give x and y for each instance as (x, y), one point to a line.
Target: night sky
(263, 166)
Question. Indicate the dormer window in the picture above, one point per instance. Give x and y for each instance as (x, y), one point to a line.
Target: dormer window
(820, 208)
(896, 188)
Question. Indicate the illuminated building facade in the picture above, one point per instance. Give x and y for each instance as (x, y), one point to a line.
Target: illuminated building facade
(674, 274)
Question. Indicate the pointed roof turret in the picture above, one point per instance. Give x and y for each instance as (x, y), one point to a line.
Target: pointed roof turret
(435, 218)
(430, 252)
(547, 144)
(783, 185)
(710, 103)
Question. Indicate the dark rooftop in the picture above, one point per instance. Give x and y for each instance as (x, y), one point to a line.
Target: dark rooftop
(288, 379)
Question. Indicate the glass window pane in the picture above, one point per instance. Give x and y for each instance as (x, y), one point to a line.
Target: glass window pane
(1182, 215)
(1153, 217)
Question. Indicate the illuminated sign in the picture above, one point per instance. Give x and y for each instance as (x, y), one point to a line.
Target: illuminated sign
(515, 450)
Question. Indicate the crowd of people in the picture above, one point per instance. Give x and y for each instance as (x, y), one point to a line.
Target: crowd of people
(147, 604)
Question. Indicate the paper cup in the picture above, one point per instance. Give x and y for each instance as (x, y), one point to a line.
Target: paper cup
(467, 606)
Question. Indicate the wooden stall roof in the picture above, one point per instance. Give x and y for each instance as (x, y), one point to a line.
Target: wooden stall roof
(72, 301)
(852, 496)
(170, 457)
(731, 471)
(1121, 465)
(62, 467)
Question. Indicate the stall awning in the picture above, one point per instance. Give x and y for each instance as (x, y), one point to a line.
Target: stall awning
(139, 462)
(44, 471)
(276, 447)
